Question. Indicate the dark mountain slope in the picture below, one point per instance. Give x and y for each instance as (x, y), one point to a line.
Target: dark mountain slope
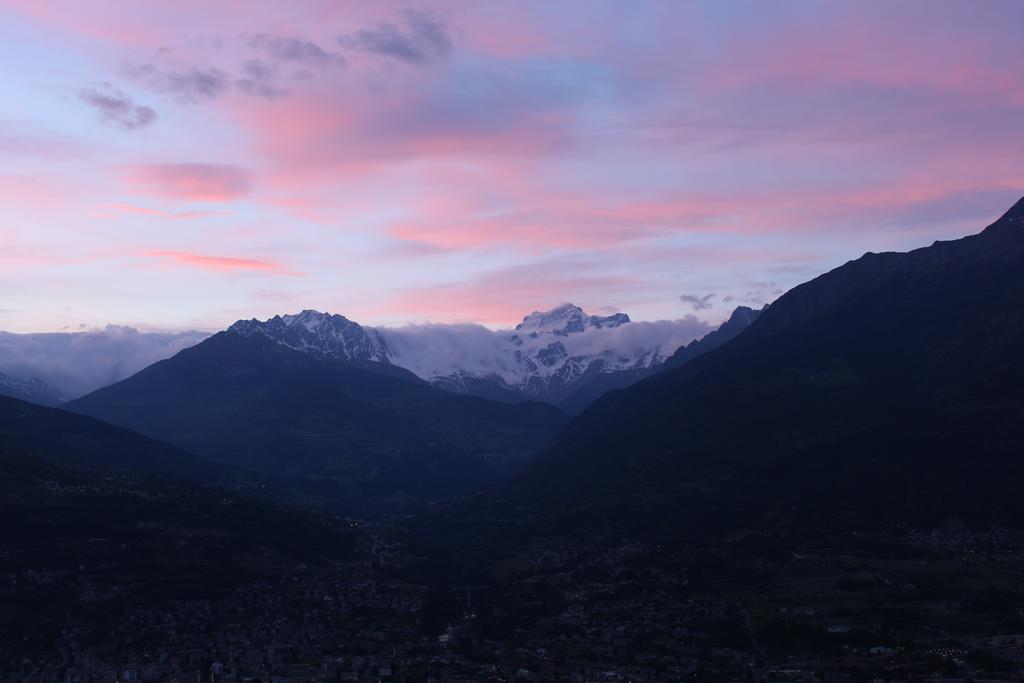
(742, 318)
(65, 437)
(335, 429)
(889, 387)
(598, 384)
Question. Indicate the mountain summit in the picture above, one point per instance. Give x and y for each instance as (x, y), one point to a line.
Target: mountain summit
(567, 319)
(321, 335)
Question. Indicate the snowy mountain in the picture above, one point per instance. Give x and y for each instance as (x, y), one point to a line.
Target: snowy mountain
(565, 320)
(321, 335)
(549, 356)
(551, 352)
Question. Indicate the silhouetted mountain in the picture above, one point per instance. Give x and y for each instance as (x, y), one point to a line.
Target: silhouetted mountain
(591, 386)
(32, 390)
(742, 318)
(65, 437)
(888, 387)
(339, 431)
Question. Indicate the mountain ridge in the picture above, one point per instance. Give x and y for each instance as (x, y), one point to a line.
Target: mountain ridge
(561, 355)
(337, 432)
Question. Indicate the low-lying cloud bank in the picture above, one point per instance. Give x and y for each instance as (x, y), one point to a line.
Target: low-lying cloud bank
(77, 363)
(432, 351)
(80, 362)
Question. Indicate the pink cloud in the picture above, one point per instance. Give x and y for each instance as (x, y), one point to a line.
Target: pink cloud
(220, 264)
(119, 208)
(193, 182)
(343, 129)
(853, 47)
(534, 217)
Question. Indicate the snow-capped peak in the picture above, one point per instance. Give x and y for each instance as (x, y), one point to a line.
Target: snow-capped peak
(321, 335)
(311, 319)
(567, 319)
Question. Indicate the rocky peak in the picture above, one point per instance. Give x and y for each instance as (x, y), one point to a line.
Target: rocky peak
(567, 319)
(322, 335)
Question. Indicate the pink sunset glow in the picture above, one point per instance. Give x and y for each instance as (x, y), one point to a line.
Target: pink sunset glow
(470, 162)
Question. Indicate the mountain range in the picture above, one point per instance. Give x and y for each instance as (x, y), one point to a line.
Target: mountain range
(832, 451)
(342, 433)
(349, 416)
(563, 356)
(861, 388)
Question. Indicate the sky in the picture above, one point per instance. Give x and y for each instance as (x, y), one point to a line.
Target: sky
(182, 165)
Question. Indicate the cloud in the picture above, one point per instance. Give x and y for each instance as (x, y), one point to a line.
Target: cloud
(422, 39)
(294, 50)
(258, 80)
(220, 264)
(761, 293)
(158, 213)
(85, 361)
(191, 82)
(320, 135)
(697, 301)
(436, 350)
(115, 107)
(32, 145)
(187, 83)
(195, 182)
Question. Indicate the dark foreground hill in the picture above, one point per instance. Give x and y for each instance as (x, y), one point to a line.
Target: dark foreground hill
(94, 525)
(340, 432)
(887, 388)
(65, 437)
